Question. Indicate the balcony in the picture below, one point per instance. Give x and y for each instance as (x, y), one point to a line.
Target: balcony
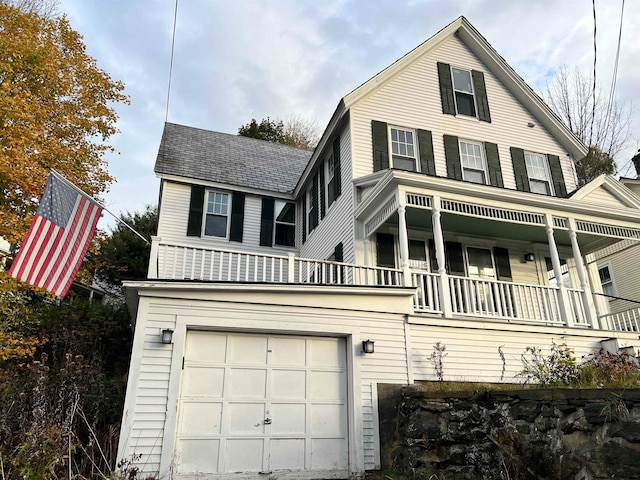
(469, 297)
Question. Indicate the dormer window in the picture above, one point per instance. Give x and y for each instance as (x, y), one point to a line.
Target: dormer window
(403, 150)
(463, 89)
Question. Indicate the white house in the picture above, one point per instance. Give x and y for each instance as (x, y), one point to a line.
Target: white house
(439, 206)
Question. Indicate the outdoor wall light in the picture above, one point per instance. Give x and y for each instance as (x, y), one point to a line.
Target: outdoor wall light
(167, 336)
(367, 346)
(528, 257)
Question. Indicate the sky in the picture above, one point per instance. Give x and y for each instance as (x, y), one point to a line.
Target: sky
(235, 60)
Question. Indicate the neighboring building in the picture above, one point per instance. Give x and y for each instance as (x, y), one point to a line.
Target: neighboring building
(439, 206)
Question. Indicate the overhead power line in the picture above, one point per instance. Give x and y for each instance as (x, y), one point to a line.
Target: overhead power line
(173, 42)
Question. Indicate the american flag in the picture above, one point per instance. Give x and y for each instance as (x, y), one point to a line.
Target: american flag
(58, 238)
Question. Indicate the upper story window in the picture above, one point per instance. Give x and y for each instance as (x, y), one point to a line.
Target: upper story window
(474, 168)
(538, 173)
(330, 184)
(285, 224)
(606, 279)
(463, 89)
(216, 221)
(403, 149)
(310, 213)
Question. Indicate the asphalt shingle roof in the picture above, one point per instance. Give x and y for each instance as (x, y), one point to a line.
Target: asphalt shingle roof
(230, 159)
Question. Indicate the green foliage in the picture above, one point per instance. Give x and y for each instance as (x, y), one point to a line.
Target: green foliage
(595, 163)
(124, 255)
(561, 369)
(267, 129)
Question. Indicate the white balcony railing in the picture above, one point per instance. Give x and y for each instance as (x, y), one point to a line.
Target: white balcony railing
(627, 321)
(511, 301)
(469, 297)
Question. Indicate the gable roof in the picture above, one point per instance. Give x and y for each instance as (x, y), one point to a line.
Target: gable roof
(194, 153)
(616, 189)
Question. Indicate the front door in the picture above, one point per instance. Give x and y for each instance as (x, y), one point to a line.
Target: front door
(262, 405)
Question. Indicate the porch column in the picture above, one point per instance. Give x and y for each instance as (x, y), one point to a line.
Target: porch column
(365, 246)
(587, 296)
(443, 277)
(403, 239)
(563, 298)
(152, 272)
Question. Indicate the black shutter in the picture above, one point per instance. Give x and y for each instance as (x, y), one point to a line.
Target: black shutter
(304, 217)
(266, 222)
(385, 254)
(452, 157)
(425, 145)
(196, 204)
(556, 175)
(337, 172)
(503, 266)
(323, 207)
(520, 169)
(433, 259)
(446, 89)
(455, 258)
(493, 163)
(380, 141)
(481, 96)
(338, 254)
(237, 217)
(313, 220)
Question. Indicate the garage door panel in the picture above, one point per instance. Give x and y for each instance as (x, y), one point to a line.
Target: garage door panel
(288, 351)
(203, 381)
(327, 385)
(246, 418)
(328, 453)
(244, 454)
(206, 347)
(247, 383)
(197, 456)
(247, 350)
(200, 418)
(328, 419)
(288, 384)
(288, 418)
(286, 454)
(327, 352)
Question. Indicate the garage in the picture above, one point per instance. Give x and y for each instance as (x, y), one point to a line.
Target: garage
(268, 404)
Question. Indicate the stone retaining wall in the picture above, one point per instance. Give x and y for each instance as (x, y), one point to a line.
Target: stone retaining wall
(510, 434)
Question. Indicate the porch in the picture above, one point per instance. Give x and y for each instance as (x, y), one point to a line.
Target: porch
(468, 298)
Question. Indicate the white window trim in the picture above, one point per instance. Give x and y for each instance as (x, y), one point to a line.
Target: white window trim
(276, 222)
(466, 248)
(473, 92)
(416, 153)
(206, 212)
(546, 169)
(613, 279)
(482, 156)
(307, 211)
(328, 175)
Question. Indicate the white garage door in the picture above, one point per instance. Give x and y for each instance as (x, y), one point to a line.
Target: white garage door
(264, 404)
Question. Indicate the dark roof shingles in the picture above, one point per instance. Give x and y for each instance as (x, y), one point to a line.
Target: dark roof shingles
(230, 159)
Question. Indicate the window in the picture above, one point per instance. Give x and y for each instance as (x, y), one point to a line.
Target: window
(480, 262)
(551, 274)
(463, 92)
(538, 173)
(418, 255)
(285, 224)
(473, 163)
(403, 151)
(217, 215)
(606, 279)
(310, 211)
(330, 171)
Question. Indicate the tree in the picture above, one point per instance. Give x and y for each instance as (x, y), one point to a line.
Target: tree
(123, 255)
(56, 111)
(604, 127)
(296, 131)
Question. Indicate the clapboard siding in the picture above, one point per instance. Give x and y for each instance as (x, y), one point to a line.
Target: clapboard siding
(473, 355)
(625, 269)
(412, 99)
(337, 225)
(602, 196)
(174, 212)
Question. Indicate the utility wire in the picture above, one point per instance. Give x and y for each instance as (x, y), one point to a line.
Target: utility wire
(173, 42)
(593, 106)
(614, 80)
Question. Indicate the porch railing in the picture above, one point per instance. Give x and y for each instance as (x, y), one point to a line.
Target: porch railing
(175, 262)
(511, 301)
(627, 321)
(426, 297)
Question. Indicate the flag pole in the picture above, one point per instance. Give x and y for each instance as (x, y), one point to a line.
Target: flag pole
(81, 192)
